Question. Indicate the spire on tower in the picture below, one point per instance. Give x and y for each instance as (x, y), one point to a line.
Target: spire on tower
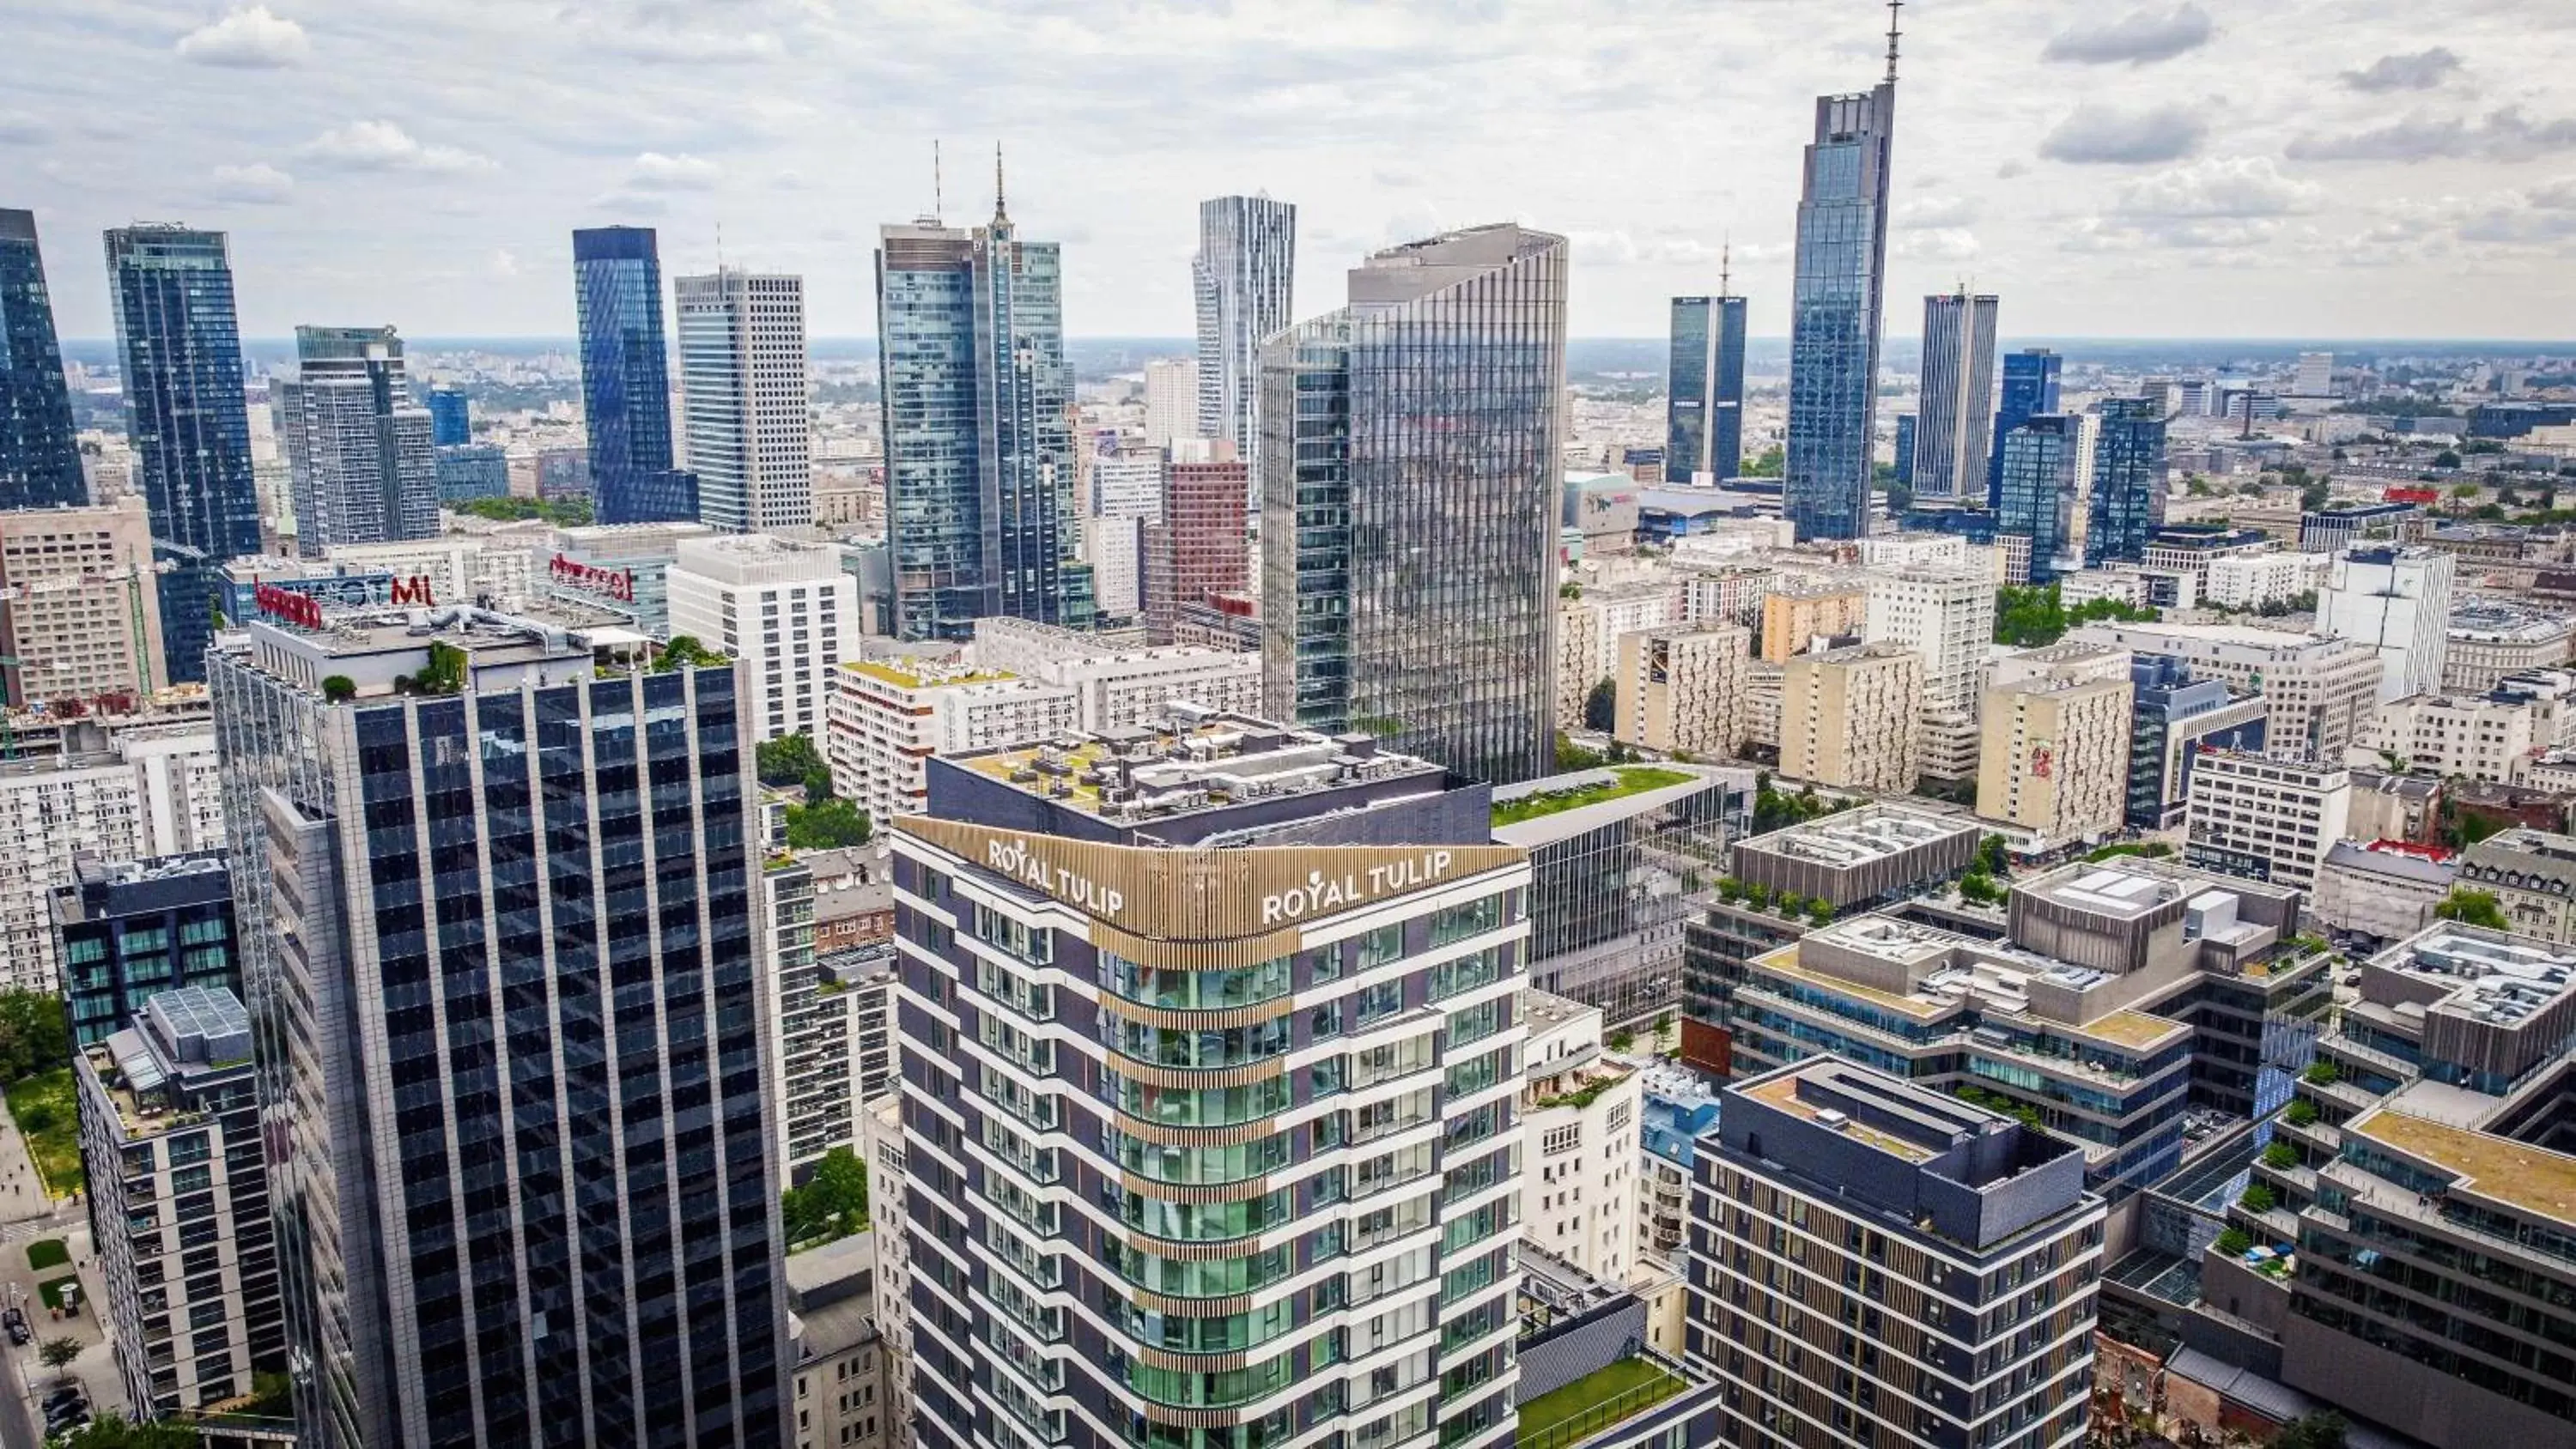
(1726, 266)
(999, 213)
(1893, 6)
(938, 187)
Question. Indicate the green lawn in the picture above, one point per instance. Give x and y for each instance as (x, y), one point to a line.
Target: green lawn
(1633, 780)
(47, 1109)
(51, 1290)
(47, 1253)
(1590, 1403)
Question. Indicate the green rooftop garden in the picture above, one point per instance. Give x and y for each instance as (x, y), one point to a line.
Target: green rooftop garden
(1594, 1402)
(1630, 780)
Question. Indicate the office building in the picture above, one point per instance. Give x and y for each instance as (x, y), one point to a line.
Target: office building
(1196, 550)
(1946, 615)
(785, 609)
(563, 474)
(2532, 875)
(2030, 390)
(743, 399)
(178, 344)
(2427, 1188)
(2265, 819)
(980, 501)
(648, 1257)
(1119, 686)
(886, 718)
(187, 1255)
(472, 470)
(2396, 602)
(2126, 497)
(626, 377)
(40, 463)
(1905, 432)
(2458, 737)
(2332, 530)
(1951, 441)
(1126, 485)
(357, 446)
(1244, 281)
(2487, 639)
(2055, 757)
(2319, 692)
(2195, 548)
(129, 930)
(625, 567)
(1803, 615)
(2261, 581)
(1579, 1111)
(145, 791)
(2177, 720)
(1171, 401)
(1411, 449)
(1838, 294)
(1704, 390)
(2037, 501)
(451, 417)
(80, 607)
(1053, 924)
(2315, 375)
(1683, 689)
(1877, 1263)
(2382, 890)
(1851, 718)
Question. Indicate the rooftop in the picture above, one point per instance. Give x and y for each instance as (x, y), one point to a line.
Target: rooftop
(2531, 1178)
(2491, 621)
(1195, 758)
(1556, 794)
(924, 673)
(1783, 1092)
(2500, 979)
(1857, 837)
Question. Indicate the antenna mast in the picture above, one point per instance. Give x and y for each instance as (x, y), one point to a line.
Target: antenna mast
(938, 189)
(1893, 6)
(999, 214)
(1726, 266)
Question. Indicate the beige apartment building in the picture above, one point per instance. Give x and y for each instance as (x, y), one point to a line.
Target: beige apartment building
(1795, 615)
(1684, 689)
(80, 608)
(1848, 717)
(2054, 756)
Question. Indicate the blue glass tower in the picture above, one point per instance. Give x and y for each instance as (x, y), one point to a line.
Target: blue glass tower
(180, 341)
(2128, 481)
(2030, 388)
(2038, 497)
(626, 378)
(1835, 311)
(1905, 450)
(39, 452)
(1704, 407)
(451, 418)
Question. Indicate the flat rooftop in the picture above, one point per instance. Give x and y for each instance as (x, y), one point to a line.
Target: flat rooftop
(1195, 758)
(1855, 838)
(2531, 1178)
(924, 673)
(2503, 980)
(1783, 1093)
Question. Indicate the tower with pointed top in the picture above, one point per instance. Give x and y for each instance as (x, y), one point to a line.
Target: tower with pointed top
(1838, 297)
(1704, 392)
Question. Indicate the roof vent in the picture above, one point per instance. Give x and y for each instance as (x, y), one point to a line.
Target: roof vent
(1831, 1120)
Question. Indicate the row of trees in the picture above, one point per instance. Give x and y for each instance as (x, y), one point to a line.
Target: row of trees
(824, 821)
(2028, 617)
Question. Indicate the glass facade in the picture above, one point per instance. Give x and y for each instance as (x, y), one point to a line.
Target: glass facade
(1905, 450)
(626, 377)
(451, 417)
(1835, 314)
(131, 930)
(1244, 277)
(358, 448)
(179, 341)
(1704, 406)
(1409, 555)
(2128, 504)
(39, 449)
(2030, 389)
(1950, 438)
(2038, 497)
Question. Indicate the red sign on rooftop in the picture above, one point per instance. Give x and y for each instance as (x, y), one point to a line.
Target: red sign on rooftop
(288, 607)
(618, 584)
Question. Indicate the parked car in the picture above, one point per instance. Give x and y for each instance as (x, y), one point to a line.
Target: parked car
(70, 1418)
(64, 1396)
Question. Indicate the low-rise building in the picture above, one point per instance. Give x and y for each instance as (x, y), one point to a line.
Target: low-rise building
(2382, 889)
(2490, 639)
(2178, 719)
(2476, 737)
(841, 1396)
(1579, 1114)
(1850, 717)
(2257, 581)
(2532, 874)
(1683, 689)
(2389, 806)
(1119, 687)
(2265, 819)
(886, 717)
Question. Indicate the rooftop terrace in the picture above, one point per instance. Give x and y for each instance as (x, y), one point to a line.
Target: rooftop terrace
(1194, 759)
(2499, 979)
(2531, 1178)
(1560, 793)
(1857, 837)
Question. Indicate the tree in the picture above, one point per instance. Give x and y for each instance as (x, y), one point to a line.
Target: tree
(2315, 496)
(2464, 490)
(2300, 1113)
(2321, 1074)
(684, 649)
(1571, 756)
(2313, 1431)
(2280, 1155)
(34, 1036)
(2446, 459)
(2258, 1199)
(2233, 1242)
(1622, 1039)
(339, 688)
(58, 1353)
(1979, 887)
(1820, 912)
(793, 760)
(1769, 465)
(1601, 706)
(833, 1202)
(2473, 908)
(1994, 856)
(827, 825)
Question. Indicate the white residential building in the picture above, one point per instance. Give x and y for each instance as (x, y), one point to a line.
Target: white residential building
(785, 609)
(1171, 400)
(2396, 602)
(1946, 615)
(887, 718)
(2478, 736)
(1114, 546)
(151, 792)
(1579, 1111)
(2489, 639)
(1120, 687)
(1914, 550)
(2265, 819)
(2320, 691)
(746, 415)
(2252, 580)
(1127, 485)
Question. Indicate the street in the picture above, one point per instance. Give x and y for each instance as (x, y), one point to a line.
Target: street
(26, 1217)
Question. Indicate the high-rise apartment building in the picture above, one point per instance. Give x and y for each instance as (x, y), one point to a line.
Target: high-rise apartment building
(356, 444)
(1244, 280)
(785, 609)
(888, 717)
(1951, 440)
(2265, 819)
(1113, 547)
(982, 512)
(146, 791)
(1197, 548)
(1413, 442)
(2179, 719)
(129, 930)
(40, 462)
(1851, 718)
(1685, 688)
(1704, 390)
(744, 399)
(1946, 615)
(1579, 1128)
(1835, 312)
(529, 862)
(626, 378)
(80, 607)
(1324, 1250)
(2126, 497)
(2055, 758)
(2030, 390)
(2315, 375)
(1171, 400)
(2395, 602)
(2037, 501)
(1798, 613)
(1874, 1262)
(179, 343)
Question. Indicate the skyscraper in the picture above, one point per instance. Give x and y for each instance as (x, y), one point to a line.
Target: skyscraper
(1835, 309)
(980, 497)
(1704, 400)
(2037, 501)
(1408, 568)
(39, 453)
(625, 378)
(495, 891)
(180, 343)
(742, 377)
(2030, 389)
(451, 417)
(2128, 504)
(1244, 278)
(356, 444)
(1171, 400)
(1905, 450)
(1950, 432)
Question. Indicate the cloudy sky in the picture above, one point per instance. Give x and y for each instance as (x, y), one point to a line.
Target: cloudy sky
(2296, 168)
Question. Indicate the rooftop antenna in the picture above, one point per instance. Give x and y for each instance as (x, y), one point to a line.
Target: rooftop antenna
(719, 247)
(938, 187)
(1893, 6)
(1726, 266)
(999, 213)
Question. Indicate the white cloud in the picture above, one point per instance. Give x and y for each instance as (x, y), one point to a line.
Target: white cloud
(2501, 135)
(1938, 244)
(384, 146)
(258, 184)
(504, 263)
(252, 39)
(653, 171)
(2106, 136)
(2421, 71)
(1936, 211)
(2219, 187)
(2141, 37)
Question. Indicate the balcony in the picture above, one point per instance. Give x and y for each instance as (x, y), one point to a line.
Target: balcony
(1607, 1396)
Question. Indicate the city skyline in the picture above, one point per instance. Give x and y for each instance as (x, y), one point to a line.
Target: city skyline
(2263, 217)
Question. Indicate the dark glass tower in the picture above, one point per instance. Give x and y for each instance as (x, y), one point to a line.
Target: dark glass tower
(505, 984)
(1950, 433)
(2128, 481)
(1905, 450)
(451, 417)
(1704, 399)
(39, 452)
(1408, 571)
(1835, 312)
(179, 340)
(626, 378)
(132, 929)
(2030, 388)
(2038, 497)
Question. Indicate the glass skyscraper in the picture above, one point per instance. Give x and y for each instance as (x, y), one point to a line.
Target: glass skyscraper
(744, 396)
(39, 450)
(451, 417)
(626, 378)
(1905, 450)
(2128, 505)
(1951, 437)
(1408, 572)
(356, 444)
(1835, 313)
(2040, 461)
(2030, 388)
(495, 890)
(179, 341)
(979, 438)
(1244, 280)
(1704, 406)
